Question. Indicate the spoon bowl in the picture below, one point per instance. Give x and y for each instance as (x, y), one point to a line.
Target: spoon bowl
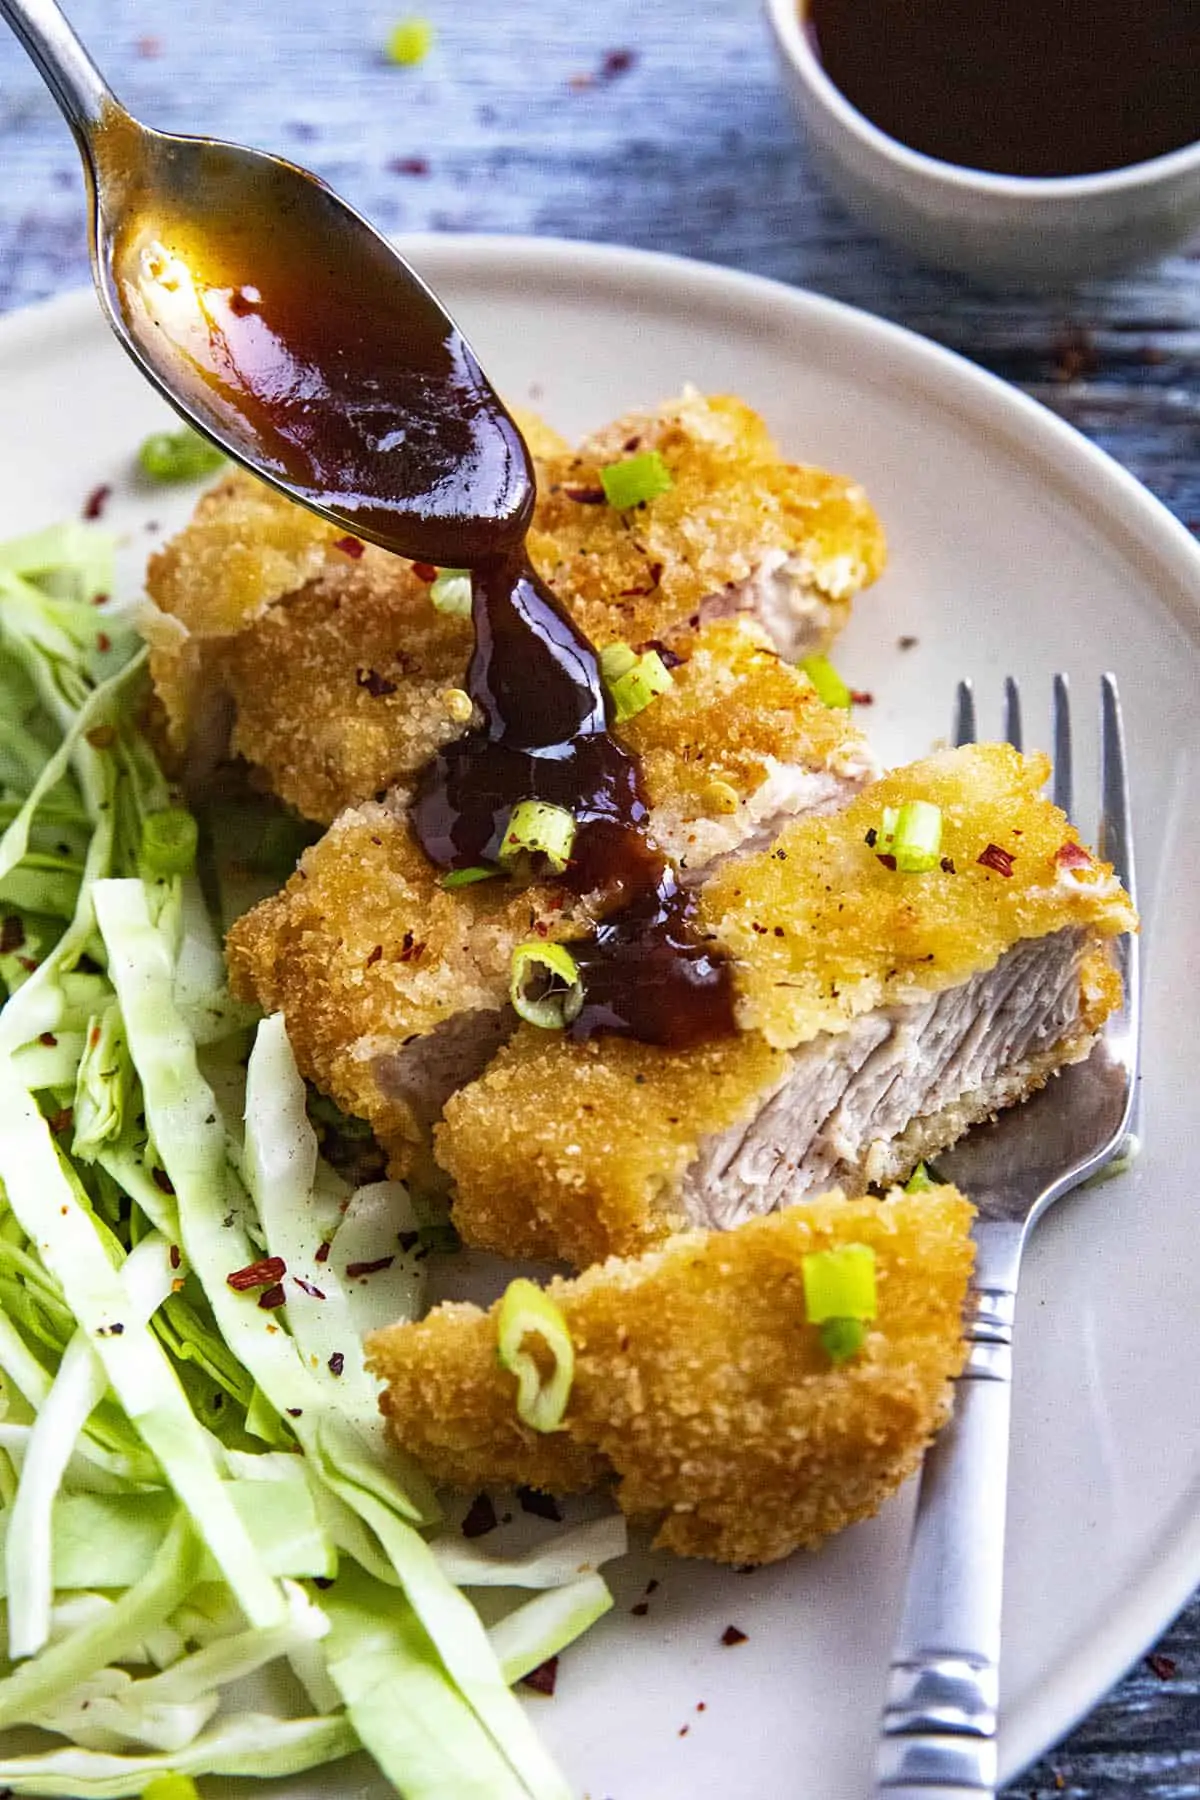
(287, 330)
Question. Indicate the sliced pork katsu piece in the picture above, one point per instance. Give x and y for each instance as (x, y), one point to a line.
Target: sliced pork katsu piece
(739, 531)
(395, 990)
(881, 1014)
(702, 1389)
(324, 663)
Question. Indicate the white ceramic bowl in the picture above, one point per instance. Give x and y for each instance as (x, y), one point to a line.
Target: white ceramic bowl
(1005, 228)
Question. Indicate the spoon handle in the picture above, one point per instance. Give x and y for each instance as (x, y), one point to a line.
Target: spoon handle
(64, 64)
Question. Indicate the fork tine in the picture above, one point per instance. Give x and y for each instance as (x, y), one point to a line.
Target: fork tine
(1116, 837)
(1061, 713)
(964, 714)
(1012, 713)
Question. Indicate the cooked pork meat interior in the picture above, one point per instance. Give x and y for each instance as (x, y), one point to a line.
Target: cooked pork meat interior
(701, 1390)
(324, 664)
(395, 990)
(882, 1014)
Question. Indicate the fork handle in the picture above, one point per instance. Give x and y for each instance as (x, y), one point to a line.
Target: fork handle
(939, 1723)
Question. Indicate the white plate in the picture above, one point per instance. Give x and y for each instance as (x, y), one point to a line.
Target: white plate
(1016, 546)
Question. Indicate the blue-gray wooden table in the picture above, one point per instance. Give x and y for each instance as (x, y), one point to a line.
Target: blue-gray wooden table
(662, 126)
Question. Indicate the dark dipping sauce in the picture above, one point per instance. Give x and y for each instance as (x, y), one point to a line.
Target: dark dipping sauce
(1019, 87)
(545, 736)
(320, 357)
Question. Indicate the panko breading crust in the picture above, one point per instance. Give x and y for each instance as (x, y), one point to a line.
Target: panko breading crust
(364, 949)
(701, 1388)
(577, 1151)
(336, 665)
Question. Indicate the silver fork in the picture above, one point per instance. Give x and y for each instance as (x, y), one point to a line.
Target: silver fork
(939, 1722)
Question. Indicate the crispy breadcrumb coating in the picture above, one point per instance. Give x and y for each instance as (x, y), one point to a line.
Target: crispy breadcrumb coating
(822, 936)
(701, 1388)
(734, 507)
(341, 677)
(364, 951)
(822, 931)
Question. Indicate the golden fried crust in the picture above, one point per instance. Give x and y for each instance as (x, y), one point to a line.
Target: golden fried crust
(822, 931)
(337, 663)
(567, 1151)
(364, 949)
(700, 1385)
(644, 573)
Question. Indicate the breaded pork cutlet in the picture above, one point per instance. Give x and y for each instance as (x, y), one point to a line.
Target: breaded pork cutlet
(701, 1389)
(881, 1015)
(395, 990)
(324, 664)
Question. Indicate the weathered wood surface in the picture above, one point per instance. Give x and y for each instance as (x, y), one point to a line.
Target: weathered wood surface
(518, 122)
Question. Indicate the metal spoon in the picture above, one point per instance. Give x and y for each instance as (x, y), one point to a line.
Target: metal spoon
(285, 328)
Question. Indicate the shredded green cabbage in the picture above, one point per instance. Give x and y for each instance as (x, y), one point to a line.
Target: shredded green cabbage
(177, 1460)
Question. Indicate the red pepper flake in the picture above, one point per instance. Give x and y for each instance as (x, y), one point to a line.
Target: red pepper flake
(28, 963)
(993, 857)
(99, 599)
(409, 165)
(410, 949)
(349, 546)
(293, 1412)
(262, 1274)
(577, 83)
(669, 658)
(354, 1270)
(543, 1679)
(947, 866)
(322, 1253)
(889, 861)
(377, 685)
(731, 1635)
(586, 496)
(274, 1297)
(314, 1293)
(1162, 1666)
(48, 1038)
(426, 572)
(103, 642)
(861, 698)
(243, 301)
(101, 737)
(542, 1506)
(176, 1258)
(641, 1609)
(375, 955)
(61, 1121)
(1072, 856)
(480, 1517)
(149, 48)
(617, 62)
(906, 643)
(683, 1730)
(97, 500)
(337, 1363)
(162, 1181)
(12, 935)
(701, 1706)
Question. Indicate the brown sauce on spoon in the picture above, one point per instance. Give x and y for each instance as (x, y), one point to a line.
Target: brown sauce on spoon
(342, 376)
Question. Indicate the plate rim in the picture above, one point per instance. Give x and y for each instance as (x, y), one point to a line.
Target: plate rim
(1171, 1575)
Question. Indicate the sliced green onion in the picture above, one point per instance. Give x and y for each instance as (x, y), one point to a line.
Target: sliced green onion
(451, 592)
(171, 1787)
(917, 837)
(178, 456)
(461, 878)
(920, 1181)
(842, 1338)
(525, 1311)
(409, 42)
(537, 829)
(840, 1283)
(545, 986)
(635, 479)
(641, 683)
(828, 683)
(616, 660)
(169, 843)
